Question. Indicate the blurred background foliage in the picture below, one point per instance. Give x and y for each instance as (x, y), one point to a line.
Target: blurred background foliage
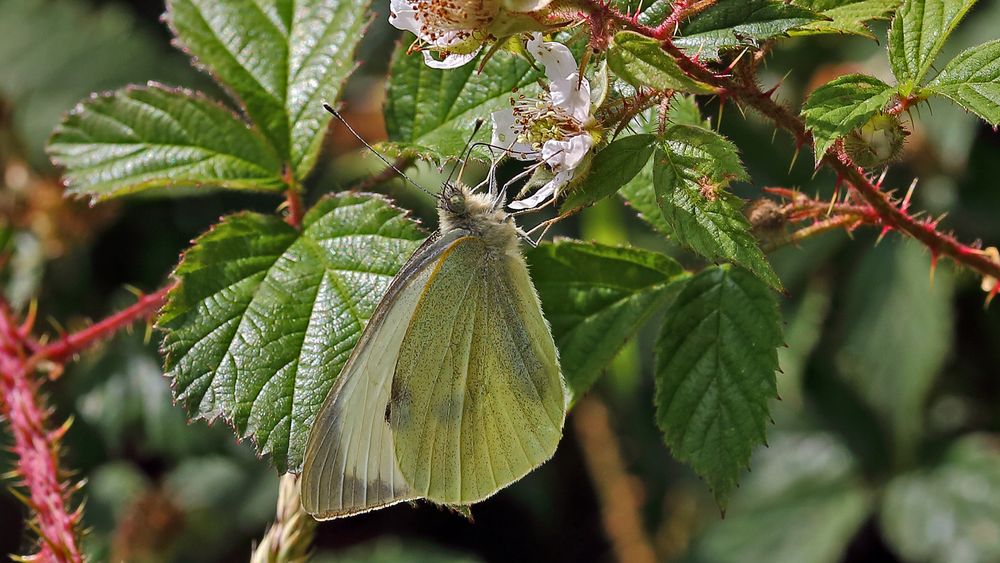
(883, 446)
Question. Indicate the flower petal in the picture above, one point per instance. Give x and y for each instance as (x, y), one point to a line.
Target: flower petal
(505, 134)
(404, 18)
(450, 60)
(566, 155)
(555, 57)
(525, 5)
(569, 91)
(535, 199)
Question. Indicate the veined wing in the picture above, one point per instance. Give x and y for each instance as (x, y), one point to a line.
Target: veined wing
(483, 403)
(350, 463)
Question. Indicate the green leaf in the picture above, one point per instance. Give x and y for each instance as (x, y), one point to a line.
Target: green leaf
(612, 167)
(715, 364)
(918, 32)
(948, 513)
(431, 112)
(281, 59)
(738, 23)
(838, 107)
(804, 485)
(898, 329)
(265, 316)
(691, 169)
(972, 80)
(596, 297)
(845, 16)
(638, 193)
(142, 138)
(642, 62)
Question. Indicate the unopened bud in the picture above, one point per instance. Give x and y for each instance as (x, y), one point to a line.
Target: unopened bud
(876, 143)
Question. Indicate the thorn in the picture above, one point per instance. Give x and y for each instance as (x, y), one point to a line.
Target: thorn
(134, 291)
(795, 156)
(885, 230)
(882, 177)
(909, 192)
(934, 263)
(30, 318)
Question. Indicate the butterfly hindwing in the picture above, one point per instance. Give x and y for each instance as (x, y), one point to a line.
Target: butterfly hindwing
(481, 403)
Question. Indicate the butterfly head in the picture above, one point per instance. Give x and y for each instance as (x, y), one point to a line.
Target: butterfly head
(461, 208)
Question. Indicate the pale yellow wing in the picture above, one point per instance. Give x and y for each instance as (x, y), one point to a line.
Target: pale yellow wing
(350, 463)
(477, 400)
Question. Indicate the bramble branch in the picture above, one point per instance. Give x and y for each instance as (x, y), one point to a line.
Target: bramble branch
(63, 349)
(740, 86)
(35, 444)
(37, 449)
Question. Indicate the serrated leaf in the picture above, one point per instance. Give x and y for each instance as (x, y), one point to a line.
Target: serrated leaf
(691, 170)
(431, 112)
(265, 315)
(972, 80)
(737, 23)
(638, 193)
(142, 138)
(612, 167)
(918, 32)
(596, 297)
(641, 61)
(898, 330)
(652, 13)
(842, 105)
(845, 16)
(804, 485)
(281, 59)
(950, 512)
(715, 364)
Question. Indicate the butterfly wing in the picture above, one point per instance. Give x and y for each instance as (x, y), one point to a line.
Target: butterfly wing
(477, 400)
(350, 463)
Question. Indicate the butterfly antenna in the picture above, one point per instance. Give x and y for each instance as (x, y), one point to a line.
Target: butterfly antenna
(358, 136)
(463, 158)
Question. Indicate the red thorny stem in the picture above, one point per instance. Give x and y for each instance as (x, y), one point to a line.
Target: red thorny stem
(36, 444)
(743, 89)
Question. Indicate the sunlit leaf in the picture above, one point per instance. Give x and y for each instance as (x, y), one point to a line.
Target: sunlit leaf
(918, 32)
(643, 62)
(154, 137)
(729, 24)
(265, 315)
(972, 80)
(281, 59)
(845, 16)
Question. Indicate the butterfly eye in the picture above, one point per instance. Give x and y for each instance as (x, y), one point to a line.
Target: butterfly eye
(456, 200)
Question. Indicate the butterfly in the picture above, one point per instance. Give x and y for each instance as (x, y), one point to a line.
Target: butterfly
(453, 390)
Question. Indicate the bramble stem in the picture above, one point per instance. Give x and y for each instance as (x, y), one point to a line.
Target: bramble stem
(37, 449)
(741, 88)
(63, 349)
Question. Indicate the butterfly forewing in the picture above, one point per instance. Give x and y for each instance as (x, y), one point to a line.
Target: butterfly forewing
(350, 463)
(482, 403)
